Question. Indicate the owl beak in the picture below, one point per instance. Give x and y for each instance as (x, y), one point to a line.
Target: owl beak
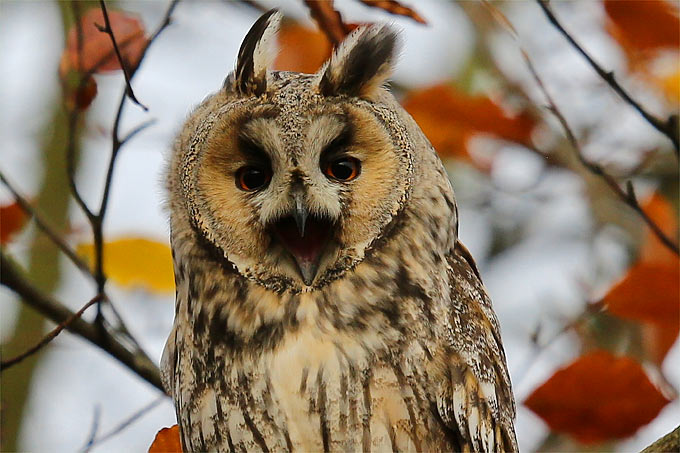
(300, 214)
(305, 251)
(304, 236)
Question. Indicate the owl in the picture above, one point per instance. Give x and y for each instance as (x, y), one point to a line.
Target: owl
(323, 301)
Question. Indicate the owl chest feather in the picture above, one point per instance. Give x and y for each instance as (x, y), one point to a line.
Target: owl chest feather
(315, 392)
(339, 378)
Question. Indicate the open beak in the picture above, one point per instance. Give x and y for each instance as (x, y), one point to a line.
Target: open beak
(304, 237)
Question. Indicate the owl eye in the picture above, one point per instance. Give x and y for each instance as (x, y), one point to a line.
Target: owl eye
(250, 179)
(343, 169)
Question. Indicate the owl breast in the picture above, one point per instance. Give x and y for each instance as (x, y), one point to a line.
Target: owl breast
(320, 389)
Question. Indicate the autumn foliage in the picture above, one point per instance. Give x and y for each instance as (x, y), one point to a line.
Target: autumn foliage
(12, 218)
(167, 441)
(449, 118)
(598, 397)
(90, 51)
(136, 263)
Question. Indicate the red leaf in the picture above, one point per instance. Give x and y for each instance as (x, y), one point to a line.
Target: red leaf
(167, 441)
(597, 397)
(302, 49)
(12, 218)
(97, 54)
(394, 7)
(448, 118)
(643, 26)
(662, 213)
(650, 291)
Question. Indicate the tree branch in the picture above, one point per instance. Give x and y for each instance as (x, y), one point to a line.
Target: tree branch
(117, 143)
(93, 440)
(12, 277)
(669, 128)
(627, 196)
(109, 31)
(45, 228)
(669, 442)
(47, 338)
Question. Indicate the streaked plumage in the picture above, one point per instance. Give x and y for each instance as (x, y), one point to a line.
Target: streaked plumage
(385, 338)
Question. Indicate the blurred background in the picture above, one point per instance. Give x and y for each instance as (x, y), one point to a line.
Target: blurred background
(587, 296)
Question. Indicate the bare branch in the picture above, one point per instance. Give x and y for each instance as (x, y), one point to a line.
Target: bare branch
(93, 429)
(125, 423)
(109, 31)
(669, 442)
(49, 337)
(628, 196)
(669, 127)
(139, 128)
(12, 277)
(73, 121)
(45, 228)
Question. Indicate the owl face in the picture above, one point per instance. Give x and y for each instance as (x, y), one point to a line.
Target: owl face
(293, 178)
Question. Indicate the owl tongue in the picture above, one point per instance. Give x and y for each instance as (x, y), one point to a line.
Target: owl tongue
(305, 249)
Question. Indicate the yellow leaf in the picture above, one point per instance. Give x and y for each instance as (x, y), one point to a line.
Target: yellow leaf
(135, 262)
(671, 87)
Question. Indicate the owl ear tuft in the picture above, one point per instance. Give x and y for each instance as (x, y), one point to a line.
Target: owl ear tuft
(361, 64)
(256, 55)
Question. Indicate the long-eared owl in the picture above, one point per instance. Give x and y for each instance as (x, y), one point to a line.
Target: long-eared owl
(323, 300)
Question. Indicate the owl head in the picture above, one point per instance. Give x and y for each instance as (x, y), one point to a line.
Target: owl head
(290, 178)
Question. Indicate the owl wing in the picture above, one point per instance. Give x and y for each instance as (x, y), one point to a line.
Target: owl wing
(474, 399)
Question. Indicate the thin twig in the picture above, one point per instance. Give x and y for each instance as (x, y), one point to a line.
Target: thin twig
(116, 144)
(12, 276)
(139, 128)
(93, 429)
(628, 196)
(669, 127)
(125, 423)
(109, 31)
(45, 228)
(47, 338)
(97, 220)
(73, 121)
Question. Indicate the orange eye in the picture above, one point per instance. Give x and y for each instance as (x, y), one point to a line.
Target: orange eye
(343, 169)
(250, 179)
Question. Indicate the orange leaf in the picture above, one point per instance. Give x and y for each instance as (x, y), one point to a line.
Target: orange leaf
(133, 262)
(597, 397)
(448, 118)
(12, 218)
(328, 19)
(302, 49)
(662, 213)
(643, 26)
(97, 54)
(167, 441)
(650, 292)
(395, 7)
